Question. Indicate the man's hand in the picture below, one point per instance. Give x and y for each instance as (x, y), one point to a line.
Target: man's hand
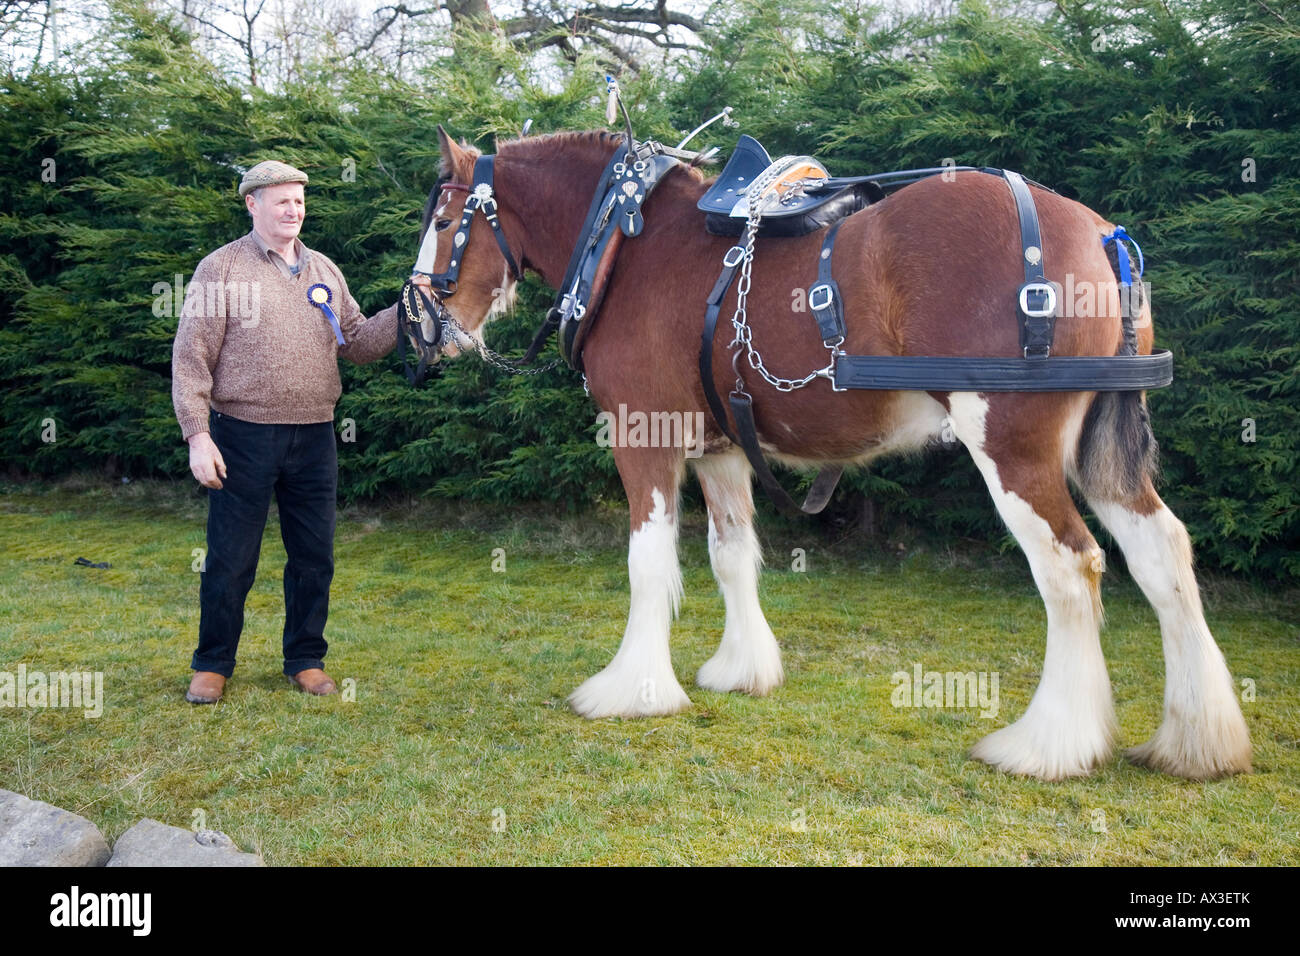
(206, 462)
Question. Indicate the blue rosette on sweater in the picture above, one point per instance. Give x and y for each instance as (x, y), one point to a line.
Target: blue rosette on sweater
(320, 296)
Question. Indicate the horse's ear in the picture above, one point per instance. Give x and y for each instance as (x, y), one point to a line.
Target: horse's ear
(456, 163)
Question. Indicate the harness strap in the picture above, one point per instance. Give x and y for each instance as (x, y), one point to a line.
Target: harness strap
(824, 298)
(553, 315)
(481, 196)
(730, 264)
(574, 334)
(956, 373)
(1036, 302)
(822, 487)
(619, 211)
(483, 174)
(581, 298)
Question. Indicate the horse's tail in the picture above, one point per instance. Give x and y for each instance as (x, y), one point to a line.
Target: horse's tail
(1117, 449)
(1117, 452)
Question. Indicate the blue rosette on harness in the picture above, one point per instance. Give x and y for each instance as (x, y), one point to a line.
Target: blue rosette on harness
(1130, 306)
(1119, 237)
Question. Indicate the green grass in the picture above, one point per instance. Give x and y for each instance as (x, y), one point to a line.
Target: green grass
(459, 747)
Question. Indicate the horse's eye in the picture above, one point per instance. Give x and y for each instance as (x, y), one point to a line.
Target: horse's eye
(442, 224)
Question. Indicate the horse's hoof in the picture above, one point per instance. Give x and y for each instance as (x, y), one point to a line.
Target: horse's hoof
(731, 670)
(1035, 750)
(615, 692)
(1194, 753)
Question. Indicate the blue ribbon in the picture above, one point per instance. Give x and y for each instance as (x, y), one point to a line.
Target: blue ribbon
(1119, 237)
(324, 306)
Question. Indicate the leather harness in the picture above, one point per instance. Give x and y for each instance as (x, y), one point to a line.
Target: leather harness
(615, 212)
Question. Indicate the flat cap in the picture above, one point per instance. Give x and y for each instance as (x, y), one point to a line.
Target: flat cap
(270, 172)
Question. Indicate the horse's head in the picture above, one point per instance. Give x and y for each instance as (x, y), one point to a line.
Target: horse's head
(466, 267)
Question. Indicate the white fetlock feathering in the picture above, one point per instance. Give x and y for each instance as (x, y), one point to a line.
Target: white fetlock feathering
(1069, 725)
(639, 681)
(1203, 734)
(748, 658)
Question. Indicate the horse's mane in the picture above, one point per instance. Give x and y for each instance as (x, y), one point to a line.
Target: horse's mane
(595, 140)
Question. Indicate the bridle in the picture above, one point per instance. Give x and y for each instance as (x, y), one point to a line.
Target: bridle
(416, 309)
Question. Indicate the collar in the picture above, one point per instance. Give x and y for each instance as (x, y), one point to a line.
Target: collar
(303, 252)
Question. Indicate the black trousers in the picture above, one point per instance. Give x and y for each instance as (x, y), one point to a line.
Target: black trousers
(299, 465)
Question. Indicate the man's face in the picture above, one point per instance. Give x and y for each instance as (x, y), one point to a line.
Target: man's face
(277, 211)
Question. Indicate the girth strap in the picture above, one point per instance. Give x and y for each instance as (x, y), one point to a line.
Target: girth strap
(822, 487)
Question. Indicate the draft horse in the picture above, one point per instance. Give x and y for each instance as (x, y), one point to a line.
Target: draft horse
(929, 272)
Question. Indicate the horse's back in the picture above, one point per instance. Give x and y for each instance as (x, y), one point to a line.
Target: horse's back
(942, 260)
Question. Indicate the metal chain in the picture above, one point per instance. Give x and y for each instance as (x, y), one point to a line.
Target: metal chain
(452, 328)
(491, 357)
(740, 320)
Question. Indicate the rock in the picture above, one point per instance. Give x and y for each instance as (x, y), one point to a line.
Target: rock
(150, 843)
(38, 834)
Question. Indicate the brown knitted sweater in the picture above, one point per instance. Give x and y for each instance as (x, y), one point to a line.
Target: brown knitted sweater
(250, 344)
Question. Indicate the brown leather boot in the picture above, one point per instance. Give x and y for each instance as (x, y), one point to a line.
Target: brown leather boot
(206, 687)
(314, 681)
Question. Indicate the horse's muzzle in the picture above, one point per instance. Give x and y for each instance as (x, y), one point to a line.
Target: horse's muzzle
(423, 322)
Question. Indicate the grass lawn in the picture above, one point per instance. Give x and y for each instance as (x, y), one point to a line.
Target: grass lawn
(459, 748)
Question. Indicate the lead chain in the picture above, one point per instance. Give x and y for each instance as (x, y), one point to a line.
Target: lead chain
(454, 331)
(491, 357)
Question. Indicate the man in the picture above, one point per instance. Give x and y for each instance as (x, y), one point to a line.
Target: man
(254, 383)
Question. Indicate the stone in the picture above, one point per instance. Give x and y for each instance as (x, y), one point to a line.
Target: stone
(33, 833)
(150, 843)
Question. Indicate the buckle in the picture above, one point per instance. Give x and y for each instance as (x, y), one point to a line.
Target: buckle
(571, 307)
(1044, 289)
(816, 290)
(731, 262)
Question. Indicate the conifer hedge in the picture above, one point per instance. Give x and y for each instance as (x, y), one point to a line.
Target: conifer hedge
(1177, 119)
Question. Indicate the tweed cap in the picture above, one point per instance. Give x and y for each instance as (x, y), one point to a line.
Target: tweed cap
(270, 172)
